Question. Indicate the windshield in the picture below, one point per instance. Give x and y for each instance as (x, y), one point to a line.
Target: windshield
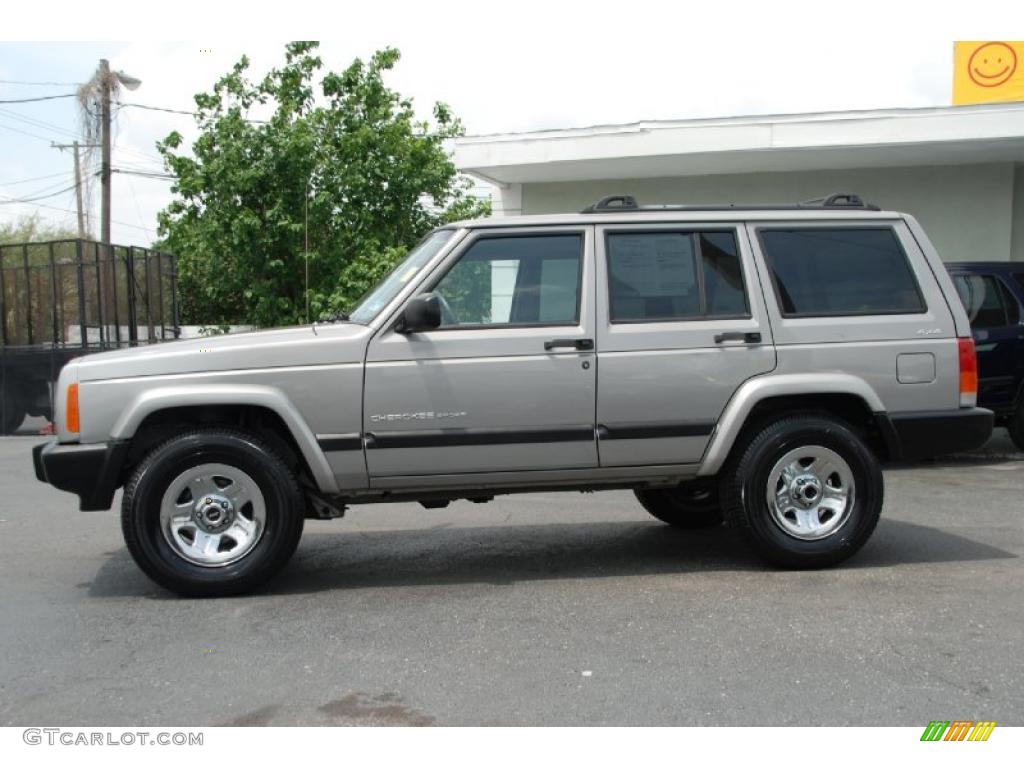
(408, 268)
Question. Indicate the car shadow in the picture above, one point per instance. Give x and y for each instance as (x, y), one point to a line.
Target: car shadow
(503, 555)
(999, 450)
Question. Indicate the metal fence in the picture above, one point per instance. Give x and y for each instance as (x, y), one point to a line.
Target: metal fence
(65, 298)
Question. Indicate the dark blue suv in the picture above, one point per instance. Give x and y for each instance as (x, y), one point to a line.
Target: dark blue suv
(993, 295)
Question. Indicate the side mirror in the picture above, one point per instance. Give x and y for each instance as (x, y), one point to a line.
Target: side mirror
(422, 313)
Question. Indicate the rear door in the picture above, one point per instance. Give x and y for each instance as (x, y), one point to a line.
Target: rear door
(681, 323)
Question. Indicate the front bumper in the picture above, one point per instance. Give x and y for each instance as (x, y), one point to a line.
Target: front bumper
(923, 434)
(91, 471)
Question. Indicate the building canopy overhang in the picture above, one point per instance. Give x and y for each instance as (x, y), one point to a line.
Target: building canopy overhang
(990, 133)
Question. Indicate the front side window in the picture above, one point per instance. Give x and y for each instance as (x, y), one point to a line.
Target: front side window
(521, 280)
(821, 272)
(663, 276)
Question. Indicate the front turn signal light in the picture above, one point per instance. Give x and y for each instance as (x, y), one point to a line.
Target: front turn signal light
(71, 420)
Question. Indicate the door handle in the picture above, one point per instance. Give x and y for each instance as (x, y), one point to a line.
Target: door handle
(574, 343)
(746, 338)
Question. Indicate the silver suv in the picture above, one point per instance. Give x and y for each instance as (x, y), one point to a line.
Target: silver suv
(756, 364)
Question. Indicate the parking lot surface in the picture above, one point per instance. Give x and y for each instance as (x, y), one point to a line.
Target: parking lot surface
(542, 609)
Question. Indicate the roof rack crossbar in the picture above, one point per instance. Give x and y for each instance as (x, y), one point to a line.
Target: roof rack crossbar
(837, 200)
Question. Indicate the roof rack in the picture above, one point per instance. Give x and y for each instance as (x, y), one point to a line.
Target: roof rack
(837, 200)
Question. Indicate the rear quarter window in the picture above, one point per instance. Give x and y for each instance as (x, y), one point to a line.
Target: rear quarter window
(827, 272)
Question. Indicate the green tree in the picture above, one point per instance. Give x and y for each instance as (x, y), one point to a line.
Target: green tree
(32, 229)
(343, 160)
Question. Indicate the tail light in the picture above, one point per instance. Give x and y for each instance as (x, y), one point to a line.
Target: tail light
(71, 420)
(968, 372)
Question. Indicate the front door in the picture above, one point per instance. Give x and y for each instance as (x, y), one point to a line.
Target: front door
(682, 327)
(507, 383)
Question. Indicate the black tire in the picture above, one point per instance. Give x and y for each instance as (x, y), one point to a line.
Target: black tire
(745, 480)
(690, 505)
(1015, 426)
(140, 512)
(14, 408)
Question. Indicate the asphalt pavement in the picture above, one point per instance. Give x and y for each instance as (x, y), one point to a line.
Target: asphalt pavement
(541, 609)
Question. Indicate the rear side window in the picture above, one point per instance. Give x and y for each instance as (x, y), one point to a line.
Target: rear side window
(820, 272)
(989, 304)
(656, 276)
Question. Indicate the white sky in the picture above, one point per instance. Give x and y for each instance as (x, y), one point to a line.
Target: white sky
(502, 67)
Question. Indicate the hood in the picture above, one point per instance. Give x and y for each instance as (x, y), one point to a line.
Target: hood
(275, 348)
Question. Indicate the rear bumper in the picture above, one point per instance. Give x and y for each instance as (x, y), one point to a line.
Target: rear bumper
(92, 472)
(923, 434)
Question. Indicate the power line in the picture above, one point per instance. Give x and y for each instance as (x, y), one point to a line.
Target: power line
(144, 174)
(31, 82)
(14, 200)
(69, 210)
(36, 123)
(26, 133)
(33, 122)
(155, 109)
(44, 191)
(138, 153)
(34, 178)
(38, 98)
(135, 200)
(179, 111)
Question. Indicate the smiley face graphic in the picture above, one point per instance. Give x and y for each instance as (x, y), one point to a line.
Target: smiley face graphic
(992, 64)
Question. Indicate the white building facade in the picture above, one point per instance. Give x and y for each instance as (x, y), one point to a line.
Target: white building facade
(959, 170)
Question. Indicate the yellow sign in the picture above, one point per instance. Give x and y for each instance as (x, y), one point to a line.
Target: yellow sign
(987, 71)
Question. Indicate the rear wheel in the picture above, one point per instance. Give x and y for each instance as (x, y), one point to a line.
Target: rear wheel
(805, 492)
(14, 407)
(693, 504)
(1016, 427)
(212, 512)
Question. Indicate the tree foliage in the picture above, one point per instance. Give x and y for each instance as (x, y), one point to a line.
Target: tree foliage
(343, 160)
(33, 229)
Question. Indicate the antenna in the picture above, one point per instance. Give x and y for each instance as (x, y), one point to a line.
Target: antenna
(306, 228)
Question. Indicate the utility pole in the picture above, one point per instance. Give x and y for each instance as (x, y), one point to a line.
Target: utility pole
(105, 84)
(79, 205)
(78, 195)
(102, 85)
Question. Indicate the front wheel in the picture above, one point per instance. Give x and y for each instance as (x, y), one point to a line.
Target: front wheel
(212, 512)
(804, 492)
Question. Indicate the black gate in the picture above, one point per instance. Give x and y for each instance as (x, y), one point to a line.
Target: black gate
(66, 298)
